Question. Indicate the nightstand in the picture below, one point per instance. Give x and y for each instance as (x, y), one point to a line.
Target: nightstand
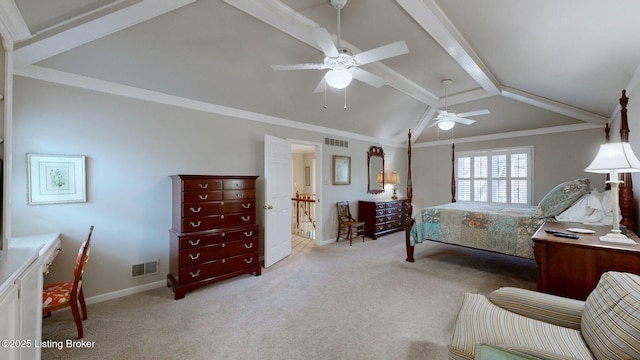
(572, 267)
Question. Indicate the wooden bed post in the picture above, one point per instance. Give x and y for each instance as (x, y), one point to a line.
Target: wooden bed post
(408, 221)
(453, 173)
(626, 188)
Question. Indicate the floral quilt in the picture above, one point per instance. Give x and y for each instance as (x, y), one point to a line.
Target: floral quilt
(501, 228)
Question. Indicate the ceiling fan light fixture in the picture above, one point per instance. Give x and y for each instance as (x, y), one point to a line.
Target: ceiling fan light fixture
(338, 78)
(446, 125)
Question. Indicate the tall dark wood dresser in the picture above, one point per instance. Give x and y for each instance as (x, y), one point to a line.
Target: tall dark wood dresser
(382, 217)
(214, 234)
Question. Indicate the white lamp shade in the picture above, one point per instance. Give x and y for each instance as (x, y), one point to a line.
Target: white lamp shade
(338, 78)
(446, 124)
(617, 157)
(380, 178)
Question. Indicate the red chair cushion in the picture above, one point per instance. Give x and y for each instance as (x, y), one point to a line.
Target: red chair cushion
(56, 294)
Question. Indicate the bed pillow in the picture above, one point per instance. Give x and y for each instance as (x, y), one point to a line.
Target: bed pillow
(561, 197)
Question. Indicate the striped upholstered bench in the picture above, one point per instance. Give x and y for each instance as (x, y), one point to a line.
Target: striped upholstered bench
(605, 326)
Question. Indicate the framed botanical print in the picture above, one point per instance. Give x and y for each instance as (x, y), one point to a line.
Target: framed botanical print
(55, 179)
(341, 170)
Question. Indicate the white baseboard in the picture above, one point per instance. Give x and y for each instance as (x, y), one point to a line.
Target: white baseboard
(125, 292)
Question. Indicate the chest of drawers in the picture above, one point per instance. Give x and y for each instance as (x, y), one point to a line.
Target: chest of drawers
(382, 217)
(214, 234)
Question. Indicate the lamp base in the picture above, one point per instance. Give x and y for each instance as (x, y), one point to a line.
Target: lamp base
(617, 238)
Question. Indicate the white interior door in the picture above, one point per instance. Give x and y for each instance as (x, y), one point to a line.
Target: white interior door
(277, 204)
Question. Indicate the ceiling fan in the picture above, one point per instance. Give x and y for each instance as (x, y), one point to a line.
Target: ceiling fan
(342, 66)
(446, 118)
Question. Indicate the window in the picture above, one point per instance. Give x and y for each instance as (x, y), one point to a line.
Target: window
(497, 176)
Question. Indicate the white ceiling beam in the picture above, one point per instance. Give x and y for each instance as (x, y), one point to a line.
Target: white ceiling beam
(433, 20)
(554, 106)
(12, 24)
(290, 22)
(94, 29)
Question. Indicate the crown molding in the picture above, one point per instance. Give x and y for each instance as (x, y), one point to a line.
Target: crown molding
(12, 24)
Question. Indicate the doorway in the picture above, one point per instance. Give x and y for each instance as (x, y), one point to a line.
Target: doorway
(305, 190)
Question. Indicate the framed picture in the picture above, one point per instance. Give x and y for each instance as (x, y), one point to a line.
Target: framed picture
(341, 170)
(55, 179)
(307, 176)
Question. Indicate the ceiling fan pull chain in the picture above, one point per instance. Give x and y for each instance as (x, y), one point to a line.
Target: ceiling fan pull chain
(345, 98)
(325, 94)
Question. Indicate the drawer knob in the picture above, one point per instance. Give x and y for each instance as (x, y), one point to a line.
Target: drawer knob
(194, 275)
(203, 197)
(194, 243)
(194, 224)
(194, 257)
(224, 261)
(248, 246)
(196, 210)
(246, 206)
(247, 234)
(247, 218)
(221, 216)
(203, 186)
(248, 261)
(240, 195)
(224, 245)
(224, 234)
(221, 203)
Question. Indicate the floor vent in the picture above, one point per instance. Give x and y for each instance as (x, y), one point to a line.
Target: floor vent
(146, 268)
(336, 142)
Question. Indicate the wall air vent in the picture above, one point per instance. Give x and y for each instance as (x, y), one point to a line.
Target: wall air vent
(145, 268)
(336, 142)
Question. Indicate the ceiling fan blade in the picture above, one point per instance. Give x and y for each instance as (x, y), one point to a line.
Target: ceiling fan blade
(475, 113)
(382, 52)
(367, 77)
(324, 40)
(299, 67)
(433, 123)
(464, 121)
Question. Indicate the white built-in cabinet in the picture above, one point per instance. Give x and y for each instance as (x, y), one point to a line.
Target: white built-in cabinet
(20, 303)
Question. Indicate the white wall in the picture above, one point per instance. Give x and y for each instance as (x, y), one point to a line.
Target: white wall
(132, 147)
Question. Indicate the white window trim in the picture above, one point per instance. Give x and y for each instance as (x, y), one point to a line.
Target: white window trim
(489, 153)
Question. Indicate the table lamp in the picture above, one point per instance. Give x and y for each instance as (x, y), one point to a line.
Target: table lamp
(615, 158)
(380, 179)
(395, 180)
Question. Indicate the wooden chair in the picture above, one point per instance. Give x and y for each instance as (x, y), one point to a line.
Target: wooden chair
(347, 223)
(59, 295)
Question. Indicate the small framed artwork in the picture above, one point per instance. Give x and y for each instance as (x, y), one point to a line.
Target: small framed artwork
(307, 176)
(55, 179)
(341, 170)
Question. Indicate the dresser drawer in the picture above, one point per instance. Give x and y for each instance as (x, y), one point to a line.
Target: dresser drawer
(194, 241)
(202, 254)
(203, 223)
(238, 184)
(217, 208)
(201, 196)
(238, 194)
(201, 185)
(195, 273)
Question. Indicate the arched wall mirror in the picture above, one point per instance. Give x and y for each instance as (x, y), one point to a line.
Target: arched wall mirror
(375, 165)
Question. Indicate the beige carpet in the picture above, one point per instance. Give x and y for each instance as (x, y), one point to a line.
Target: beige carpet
(328, 302)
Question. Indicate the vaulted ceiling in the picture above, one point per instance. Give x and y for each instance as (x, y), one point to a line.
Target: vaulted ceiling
(537, 66)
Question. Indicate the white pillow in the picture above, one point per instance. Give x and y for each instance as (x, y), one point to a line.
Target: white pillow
(594, 208)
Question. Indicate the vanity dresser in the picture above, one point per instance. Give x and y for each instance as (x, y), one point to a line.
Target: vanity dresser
(382, 217)
(214, 234)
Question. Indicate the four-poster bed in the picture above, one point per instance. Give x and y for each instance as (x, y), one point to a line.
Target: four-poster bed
(505, 229)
